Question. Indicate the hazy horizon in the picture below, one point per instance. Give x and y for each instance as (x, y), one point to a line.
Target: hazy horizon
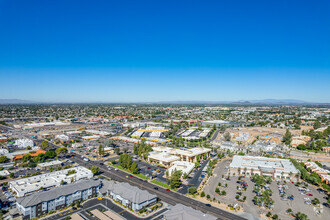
(151, 51)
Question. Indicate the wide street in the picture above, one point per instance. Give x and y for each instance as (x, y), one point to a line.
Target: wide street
(169, 197)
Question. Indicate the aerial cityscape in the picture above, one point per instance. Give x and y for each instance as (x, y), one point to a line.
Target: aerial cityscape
(164, 110)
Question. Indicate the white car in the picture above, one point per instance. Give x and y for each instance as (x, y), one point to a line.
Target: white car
(86, 159)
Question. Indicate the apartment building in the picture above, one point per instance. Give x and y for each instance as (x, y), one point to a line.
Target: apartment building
(129, 196)
(25, 186)
(40, 203)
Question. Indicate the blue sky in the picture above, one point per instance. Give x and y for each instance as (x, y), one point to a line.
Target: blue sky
(124, 51)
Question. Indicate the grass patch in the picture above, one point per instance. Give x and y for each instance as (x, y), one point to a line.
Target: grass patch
(162, 185)
(128, 171)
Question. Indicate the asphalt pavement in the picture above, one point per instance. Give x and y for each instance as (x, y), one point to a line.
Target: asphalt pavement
(169, 197)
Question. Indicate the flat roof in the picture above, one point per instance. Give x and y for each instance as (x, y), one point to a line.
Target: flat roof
(163, 156)
(33, 183)
(184, 166)
(279, 165)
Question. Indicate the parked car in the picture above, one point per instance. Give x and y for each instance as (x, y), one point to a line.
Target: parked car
(168, 190)
(309, 194)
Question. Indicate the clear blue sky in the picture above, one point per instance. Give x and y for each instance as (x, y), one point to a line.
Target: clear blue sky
(123, 51)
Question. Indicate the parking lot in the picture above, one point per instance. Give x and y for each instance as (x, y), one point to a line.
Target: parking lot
(297, 204)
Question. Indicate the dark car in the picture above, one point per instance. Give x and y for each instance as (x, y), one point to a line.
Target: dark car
(156, 188)
(209, 205)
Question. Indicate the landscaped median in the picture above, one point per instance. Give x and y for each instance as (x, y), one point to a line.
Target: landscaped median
(128, 171)
(163, 185)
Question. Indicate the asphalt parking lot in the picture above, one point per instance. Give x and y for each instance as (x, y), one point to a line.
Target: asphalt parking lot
(280, 206)
(92, 204)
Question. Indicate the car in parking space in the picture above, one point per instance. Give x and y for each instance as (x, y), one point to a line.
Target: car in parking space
(156, 188)
(308, 203)
(130, 175)
(168, 190)
(209, 205)
(309, 194)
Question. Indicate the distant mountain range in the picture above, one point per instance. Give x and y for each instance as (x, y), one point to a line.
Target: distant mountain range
(241, 102)
(15, 101)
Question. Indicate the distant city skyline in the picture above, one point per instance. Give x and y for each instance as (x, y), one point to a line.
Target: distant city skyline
(153, 51)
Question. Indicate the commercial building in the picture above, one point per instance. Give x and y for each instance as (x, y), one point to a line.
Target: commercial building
(190, 155)
(22, 187)
(274, 167)
(24, 143)
(167, 155)
(153, 128)
(155, 139)
(137, 134)
(63, 138)
(92, 137)
(187, 132)
(162, 158)
(183, 166)
(129, 196)
(215, 122)
(96, 132)
(182, 212)
(46, 165)
(41, 203)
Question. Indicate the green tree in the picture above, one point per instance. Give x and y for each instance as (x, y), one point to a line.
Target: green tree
(101, 150)
(175, 179)
(11, 175)
(44, 144)
(134, 168)
(316, 125)
(227, 136)
(202, 194)
(50, 154)
(26, 157)
(3, 159)
(51, 169)
(287, 138)
(192, 190)
(301, 216)
(95, 170)
(60, 151)
(117, 150)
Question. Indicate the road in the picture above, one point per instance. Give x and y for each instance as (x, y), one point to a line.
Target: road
(166, 196)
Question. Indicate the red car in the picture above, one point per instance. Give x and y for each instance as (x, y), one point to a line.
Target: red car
(168, 190)
(310, 194)
(228, 179)
(130, 175)
(238, 193)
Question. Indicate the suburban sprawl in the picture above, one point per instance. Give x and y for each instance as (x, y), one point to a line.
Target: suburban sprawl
(171, 162)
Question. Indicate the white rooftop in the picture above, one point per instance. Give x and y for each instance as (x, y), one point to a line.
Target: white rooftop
(279, 165)
(185, 167)
(31, 184)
